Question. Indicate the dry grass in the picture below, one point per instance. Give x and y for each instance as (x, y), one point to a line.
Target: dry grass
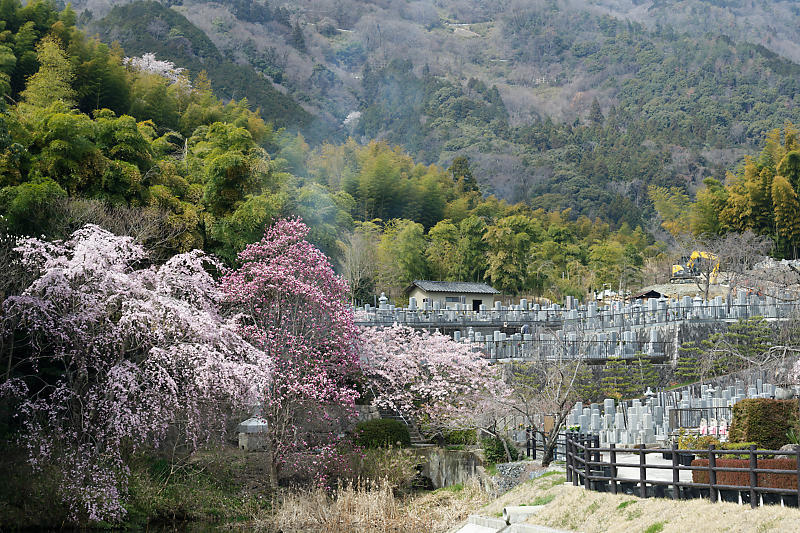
(575, 509)
(370, 509)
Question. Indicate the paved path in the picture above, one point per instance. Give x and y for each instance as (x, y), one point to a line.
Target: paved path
(655, 474)
(486, 524)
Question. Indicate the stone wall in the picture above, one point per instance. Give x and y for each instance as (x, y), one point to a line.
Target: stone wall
(448, 467)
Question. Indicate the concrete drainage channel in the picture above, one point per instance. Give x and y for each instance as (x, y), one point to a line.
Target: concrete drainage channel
(513, 516)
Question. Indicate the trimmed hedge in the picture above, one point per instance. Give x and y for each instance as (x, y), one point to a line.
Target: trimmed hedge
(382, 432)
(764, 421)
(778, 481)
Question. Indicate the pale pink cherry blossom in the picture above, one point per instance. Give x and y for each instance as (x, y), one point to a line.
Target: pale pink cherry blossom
(144, 359)
(431, 379)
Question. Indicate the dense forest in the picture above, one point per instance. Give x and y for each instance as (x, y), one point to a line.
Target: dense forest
(161, 158)
(152, 150)
(547, 116)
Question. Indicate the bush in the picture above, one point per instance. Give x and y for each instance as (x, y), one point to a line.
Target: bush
(494, 451)
(460, 436)
(764, 421)
(690, 441)
(737, 446)
(381, 433)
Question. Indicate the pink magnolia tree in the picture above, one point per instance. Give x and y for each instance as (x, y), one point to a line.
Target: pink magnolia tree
(432, 380)
(104, 356)
(292, 306)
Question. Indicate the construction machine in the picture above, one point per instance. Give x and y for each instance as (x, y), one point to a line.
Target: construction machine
(693, 266)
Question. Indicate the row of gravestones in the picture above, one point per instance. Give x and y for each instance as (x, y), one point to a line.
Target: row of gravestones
(649, 420)
(585, 317)
(545, 345)
(615, 331)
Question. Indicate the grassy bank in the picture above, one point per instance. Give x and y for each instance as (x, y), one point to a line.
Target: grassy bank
(369, 509)
(573, 508)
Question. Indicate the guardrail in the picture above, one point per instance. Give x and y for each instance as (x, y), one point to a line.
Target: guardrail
(585, 466)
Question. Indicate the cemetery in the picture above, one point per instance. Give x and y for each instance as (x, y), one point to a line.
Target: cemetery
(655, 327)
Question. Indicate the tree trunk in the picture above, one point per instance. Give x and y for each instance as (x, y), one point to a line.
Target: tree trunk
(505, 447)
(550, 443)
(272, 465)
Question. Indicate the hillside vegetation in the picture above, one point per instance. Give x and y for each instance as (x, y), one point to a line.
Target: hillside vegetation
(641, 95)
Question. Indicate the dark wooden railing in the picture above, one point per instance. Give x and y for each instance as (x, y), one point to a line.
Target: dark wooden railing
(536, 443)
(586, 466)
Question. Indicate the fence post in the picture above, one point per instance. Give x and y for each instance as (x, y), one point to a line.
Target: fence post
(753, 477)
(574, 462)
(568, 457)
(798, 477)
(642, 472)
(613, 456)
(596, 444)
(712, 474)
(676, 474)
(555, 448)
(587, 456)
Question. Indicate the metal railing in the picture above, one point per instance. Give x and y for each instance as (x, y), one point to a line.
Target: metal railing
(691, 417)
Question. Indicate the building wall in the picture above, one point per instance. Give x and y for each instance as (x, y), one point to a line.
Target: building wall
(472, 300)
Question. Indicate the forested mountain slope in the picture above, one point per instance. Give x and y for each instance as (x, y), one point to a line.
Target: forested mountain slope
(560, 103)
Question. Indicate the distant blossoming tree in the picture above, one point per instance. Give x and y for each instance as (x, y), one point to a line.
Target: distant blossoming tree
(431, 379)
(105, 357)
(148, 63)
(293, 306)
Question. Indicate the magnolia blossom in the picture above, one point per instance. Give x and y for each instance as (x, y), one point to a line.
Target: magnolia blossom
(148, 63)
(293, 307)
(134, 355)
(428, 376)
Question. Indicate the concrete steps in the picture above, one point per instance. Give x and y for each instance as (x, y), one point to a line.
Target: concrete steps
(413, 431)
(511, 524)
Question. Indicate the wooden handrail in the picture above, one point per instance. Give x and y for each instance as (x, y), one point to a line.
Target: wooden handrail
(584, 463)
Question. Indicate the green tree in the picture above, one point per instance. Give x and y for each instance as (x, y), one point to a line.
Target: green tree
(787, 221)
(462, 174)
(52, 83)
(510, 245)
(442, 252)
(402, 251)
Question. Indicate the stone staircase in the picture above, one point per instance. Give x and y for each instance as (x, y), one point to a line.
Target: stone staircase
(413, 430)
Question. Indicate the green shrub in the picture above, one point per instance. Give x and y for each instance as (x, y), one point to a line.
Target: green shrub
(736, 446)
(764, 421)
(691, 441)
(381, 433)
(494, 451)
(460, 436)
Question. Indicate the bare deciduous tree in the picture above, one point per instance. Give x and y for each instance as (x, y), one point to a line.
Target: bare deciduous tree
(549, 387)
(358, 257)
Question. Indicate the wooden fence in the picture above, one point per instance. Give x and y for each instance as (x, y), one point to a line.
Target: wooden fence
(715, 474)
(536, 444)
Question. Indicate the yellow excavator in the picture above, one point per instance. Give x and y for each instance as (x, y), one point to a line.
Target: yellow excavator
(693, 266)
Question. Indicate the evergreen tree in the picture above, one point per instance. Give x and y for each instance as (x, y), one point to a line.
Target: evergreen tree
(688, 368)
